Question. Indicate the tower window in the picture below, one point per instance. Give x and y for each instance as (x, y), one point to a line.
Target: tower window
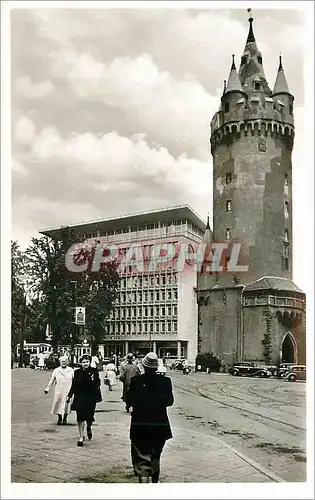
(286, 209)
(286, 264)
(228, 205)
(244, 59)
(291, 109)
(228, 178)
(259, 59)
(286, 236)
(228, 233)
(286, 250)
(256, 85)
(286, 179)
(226, 107)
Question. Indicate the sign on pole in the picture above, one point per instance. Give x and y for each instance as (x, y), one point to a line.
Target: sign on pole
(80, 315)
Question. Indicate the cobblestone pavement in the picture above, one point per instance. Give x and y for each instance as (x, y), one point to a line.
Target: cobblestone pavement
(45, 453)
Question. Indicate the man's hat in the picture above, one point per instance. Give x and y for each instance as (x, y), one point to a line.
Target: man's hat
(130, 356)
(150, 360)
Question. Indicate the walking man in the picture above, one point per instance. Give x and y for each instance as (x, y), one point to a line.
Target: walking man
(149, 395)
(127, 371)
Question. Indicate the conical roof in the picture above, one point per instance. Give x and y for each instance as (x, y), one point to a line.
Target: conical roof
(281, 85)
(207, 237)
(233, 84)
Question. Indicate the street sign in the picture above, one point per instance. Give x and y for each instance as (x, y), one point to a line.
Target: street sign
(80, 315)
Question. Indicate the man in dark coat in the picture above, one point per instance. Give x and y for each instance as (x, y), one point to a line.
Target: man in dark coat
(149, 395)
(86, 390)
(127, 371)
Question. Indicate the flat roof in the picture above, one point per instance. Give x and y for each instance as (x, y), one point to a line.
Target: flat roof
(164, 214)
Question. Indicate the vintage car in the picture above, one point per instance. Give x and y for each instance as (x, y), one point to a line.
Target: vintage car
(282, 369)
(295, 372)
(250, 369)
(161, 369)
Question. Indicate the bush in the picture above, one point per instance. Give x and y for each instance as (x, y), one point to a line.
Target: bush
(208, 360)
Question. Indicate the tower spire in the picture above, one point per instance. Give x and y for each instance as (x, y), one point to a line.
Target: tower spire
(251, 37)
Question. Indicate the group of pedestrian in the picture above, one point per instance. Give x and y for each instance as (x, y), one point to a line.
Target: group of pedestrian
(148, 395)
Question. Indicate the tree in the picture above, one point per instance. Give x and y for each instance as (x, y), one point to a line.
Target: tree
(208, 360)
(62, 290)
(17, 293)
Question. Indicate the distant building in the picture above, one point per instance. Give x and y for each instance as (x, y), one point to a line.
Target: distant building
(155, 309)
(258, 314)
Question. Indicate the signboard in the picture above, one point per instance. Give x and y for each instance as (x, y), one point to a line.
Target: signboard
(80, 315)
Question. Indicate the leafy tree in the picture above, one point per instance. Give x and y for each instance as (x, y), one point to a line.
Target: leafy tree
(17, 293)
(208, 360)
(61, 290)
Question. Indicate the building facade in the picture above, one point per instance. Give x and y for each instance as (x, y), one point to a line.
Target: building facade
(257, 314)
(156, 307)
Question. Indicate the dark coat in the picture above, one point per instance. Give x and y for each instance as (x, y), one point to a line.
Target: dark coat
(149, 395)
(85, 388)
(128, 371)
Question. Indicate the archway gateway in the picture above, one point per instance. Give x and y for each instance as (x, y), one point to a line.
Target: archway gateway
(289, 350)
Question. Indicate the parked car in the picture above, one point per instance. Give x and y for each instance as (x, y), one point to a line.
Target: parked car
(161, 369)
(176, 365)
(283, 368)
(295, 372)
(250, 369)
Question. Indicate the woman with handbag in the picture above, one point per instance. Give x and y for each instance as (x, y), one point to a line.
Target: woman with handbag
(86, 390)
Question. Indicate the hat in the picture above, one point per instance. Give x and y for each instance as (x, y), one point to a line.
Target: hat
(150, 360)
(130, 356)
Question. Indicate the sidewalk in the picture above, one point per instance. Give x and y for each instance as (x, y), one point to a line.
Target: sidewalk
(45, 453)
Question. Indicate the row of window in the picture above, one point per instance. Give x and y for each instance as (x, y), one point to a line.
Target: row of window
(228, 179)
(145, 312)
(148, 281)
(228, 207)
(132, 328)
(144, 227)
(276, 105)
(271, 300)
(158, 296)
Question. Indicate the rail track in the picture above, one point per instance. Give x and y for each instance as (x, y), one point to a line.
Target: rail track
(277, 424)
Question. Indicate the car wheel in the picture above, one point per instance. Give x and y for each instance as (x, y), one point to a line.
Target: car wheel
(234, 373)
(292, 378)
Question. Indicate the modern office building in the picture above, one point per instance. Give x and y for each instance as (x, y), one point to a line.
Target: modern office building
(156, 308)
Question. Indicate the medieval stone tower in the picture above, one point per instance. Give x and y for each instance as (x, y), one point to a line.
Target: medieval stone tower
(252, 137)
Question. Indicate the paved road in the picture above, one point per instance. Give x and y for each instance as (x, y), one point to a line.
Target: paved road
(263, 418)
(213, 442)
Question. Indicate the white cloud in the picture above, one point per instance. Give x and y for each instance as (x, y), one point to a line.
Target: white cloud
(26, 88)
(24, 130)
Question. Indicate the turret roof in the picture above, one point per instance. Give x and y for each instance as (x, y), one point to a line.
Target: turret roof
(281, 85)
(233, 84)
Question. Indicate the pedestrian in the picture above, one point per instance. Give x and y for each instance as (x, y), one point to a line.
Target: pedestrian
(95, 361)
(62, 377)
(149, 395)
(86, 390)
(41, 361)
(110, 375)
(127, 371)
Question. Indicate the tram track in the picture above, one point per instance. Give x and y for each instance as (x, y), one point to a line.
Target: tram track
(274, 423)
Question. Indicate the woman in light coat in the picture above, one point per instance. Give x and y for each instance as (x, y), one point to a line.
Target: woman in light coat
(110, 375)
(62, 377)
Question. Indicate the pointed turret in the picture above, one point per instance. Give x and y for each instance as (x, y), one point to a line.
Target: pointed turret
(281, 85)
(233, 84)
(207, 237)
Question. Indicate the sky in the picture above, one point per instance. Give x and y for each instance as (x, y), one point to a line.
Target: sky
(111, 108)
